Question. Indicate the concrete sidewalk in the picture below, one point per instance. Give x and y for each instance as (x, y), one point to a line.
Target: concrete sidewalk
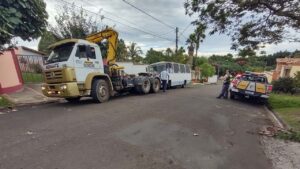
(30, 94)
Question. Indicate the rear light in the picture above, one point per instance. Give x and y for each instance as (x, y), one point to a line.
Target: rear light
(235, 82)
(269, 88)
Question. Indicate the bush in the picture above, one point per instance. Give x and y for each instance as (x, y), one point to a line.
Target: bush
(289, 135)
(285, 85)
(297, 79)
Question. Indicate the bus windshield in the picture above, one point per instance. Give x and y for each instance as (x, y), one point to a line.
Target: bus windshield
(157, 68)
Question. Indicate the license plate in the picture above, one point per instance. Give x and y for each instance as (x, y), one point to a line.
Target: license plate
(248, 92)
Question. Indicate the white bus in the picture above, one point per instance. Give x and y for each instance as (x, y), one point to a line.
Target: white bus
(179, 74)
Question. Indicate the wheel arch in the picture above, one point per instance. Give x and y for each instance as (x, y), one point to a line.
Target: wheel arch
(91, 77)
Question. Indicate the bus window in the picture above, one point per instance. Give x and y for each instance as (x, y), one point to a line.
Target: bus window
(176, 68)
(170, 67)
(161, 67)
(182, 69)
(187, 69)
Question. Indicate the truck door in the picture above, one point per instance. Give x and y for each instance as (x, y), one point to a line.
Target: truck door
(86, 62)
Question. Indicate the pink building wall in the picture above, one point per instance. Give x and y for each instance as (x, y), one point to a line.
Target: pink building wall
(10, 74)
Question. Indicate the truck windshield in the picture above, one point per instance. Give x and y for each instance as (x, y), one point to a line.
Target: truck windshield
(61, 53)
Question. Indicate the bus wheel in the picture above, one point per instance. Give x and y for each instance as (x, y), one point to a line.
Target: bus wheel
(155, 86)
(100, 91)
(145, 87)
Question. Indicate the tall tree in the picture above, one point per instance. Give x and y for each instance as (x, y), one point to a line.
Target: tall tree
(72, 23)
(248, 22)
(135, 52)
(21, 18)
(191, 42)
(199, 35)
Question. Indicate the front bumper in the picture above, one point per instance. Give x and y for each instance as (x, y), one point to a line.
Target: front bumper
(63, 90)
(248, 93)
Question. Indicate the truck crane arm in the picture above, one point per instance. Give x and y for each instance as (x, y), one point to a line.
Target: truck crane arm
(112, 38)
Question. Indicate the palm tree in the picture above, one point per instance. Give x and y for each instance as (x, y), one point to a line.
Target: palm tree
(134, 52)
(199, 36)
(191, 42)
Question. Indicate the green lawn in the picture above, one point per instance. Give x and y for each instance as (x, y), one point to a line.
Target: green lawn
(278, 101)
(4, 102)
(288, 108)
(32, 77)
(291, 116)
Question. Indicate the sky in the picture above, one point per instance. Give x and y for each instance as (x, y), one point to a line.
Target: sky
(126, 20)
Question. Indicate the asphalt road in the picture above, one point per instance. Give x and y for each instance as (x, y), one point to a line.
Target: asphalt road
(136, 132)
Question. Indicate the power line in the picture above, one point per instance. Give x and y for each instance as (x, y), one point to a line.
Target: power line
(185, 29)
(105, 17)
(114, 15)
(158, 20)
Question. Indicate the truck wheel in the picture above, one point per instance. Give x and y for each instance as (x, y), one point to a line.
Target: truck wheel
(155, 85)
(145, 87)
(73, 99)
(100, 91)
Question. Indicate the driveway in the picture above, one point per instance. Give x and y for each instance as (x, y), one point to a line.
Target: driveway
(180, 129)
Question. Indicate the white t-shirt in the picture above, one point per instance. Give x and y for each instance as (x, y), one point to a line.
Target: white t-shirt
(164, 75)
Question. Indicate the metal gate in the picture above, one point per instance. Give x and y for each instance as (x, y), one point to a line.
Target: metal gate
(31, 67)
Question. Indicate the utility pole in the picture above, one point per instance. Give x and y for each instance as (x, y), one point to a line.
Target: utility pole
(176, 49)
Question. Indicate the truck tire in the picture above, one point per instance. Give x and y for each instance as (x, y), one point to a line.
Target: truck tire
(155, 86)
(145, 87)
(100, 91)
(73, 99)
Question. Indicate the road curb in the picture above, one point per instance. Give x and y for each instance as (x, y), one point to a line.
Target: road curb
(24, 105)
(276, 119)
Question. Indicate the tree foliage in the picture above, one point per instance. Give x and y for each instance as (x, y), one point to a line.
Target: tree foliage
(207, 70)
(22, 18)
(248, 22)
(122, 53)
(153, 56)
(135, 52)
(72, 23)
(47, 39)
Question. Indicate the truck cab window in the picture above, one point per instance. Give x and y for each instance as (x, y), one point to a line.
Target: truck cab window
(93, 53)
(81, 51)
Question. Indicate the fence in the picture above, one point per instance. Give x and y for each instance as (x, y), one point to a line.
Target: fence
(31, 67)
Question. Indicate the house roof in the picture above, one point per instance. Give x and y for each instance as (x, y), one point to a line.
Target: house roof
(292, 61)
(32, 50)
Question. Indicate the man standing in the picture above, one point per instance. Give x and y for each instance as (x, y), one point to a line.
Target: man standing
(225, 87)
(164, 76)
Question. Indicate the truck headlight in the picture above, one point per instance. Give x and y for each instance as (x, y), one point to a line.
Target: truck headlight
(43, 87)
(63, 87)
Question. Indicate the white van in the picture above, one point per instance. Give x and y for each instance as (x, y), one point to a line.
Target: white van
(180, 74)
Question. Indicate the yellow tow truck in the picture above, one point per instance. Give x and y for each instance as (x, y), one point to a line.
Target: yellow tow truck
(75, 69)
